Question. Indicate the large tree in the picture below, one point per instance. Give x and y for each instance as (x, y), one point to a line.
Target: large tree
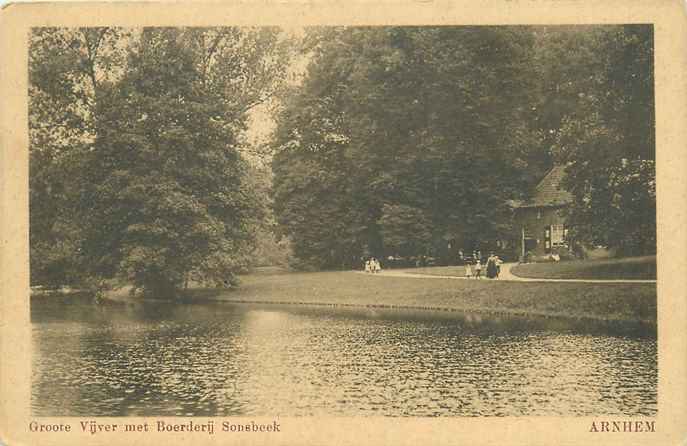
(606, 135)
(430, 122)
(159, 189)
(66, 70)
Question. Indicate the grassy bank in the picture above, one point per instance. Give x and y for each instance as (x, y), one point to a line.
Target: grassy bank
(631, 268)
(574, 300)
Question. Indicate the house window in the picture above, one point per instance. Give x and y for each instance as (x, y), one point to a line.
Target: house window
(558, 233)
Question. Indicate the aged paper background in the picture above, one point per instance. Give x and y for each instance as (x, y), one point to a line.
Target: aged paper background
(669, 19)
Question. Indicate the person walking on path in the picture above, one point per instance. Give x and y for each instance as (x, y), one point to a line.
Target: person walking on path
(468, 270)
(478, 269)
(491, 266)
(498, 266)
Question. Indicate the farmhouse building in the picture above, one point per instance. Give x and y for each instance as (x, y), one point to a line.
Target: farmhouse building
(540, 221)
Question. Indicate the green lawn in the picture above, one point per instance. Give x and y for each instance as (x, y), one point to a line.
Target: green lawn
(457, 271)
(624, 268)
(575, 300)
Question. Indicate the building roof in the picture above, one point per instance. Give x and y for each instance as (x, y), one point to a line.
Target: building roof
(549, 191)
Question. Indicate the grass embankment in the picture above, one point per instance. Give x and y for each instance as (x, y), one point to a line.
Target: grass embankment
(631, 268)
(635, 302)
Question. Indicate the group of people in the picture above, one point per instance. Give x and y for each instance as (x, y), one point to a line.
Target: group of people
(493, 267)
(372, 265)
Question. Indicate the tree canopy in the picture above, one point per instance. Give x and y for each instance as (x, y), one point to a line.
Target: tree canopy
(606, 138)
(395, 141)
(147, 180)
(404, 127)
(404, 139)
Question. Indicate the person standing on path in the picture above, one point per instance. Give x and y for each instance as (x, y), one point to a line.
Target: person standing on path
(491, 266)
(468, 270)
(478, 269)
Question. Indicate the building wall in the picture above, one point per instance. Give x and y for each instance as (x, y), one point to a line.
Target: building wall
(536, 222)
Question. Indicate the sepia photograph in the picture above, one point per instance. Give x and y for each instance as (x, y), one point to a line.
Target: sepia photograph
(343, 221)
(377, 222)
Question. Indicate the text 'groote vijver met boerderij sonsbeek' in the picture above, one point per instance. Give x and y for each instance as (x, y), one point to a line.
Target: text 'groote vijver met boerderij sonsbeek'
(209, 427)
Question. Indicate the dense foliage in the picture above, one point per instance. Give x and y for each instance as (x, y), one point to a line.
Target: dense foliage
(407, 140)
(402, 141)
(416, 133)
(607, 140)
(148, 186)
(66, 69)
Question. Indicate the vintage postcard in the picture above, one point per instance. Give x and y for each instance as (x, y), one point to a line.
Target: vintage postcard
(310, 223)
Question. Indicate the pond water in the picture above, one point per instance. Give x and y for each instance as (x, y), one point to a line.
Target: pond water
(245, 359)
